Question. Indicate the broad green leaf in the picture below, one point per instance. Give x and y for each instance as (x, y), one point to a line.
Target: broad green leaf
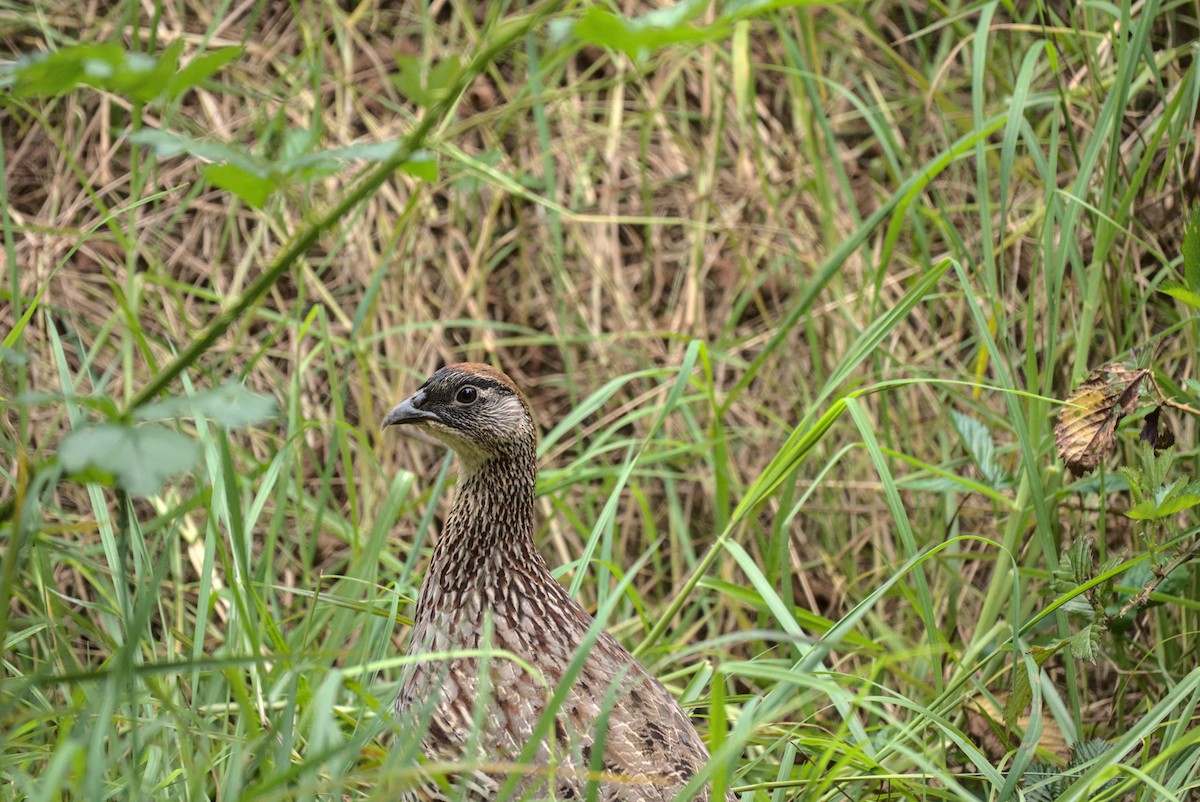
(167, 144)
(741, 9)
(139, 458)
(425, 87)
(639, 36)
(423, 165)
(297, 144)
(1182, 293)
(107, 66)
(328, 162)
(253, 189)
(144, 78)
(51, 74)
(200, 69)
(1152, 509)
(230, 405)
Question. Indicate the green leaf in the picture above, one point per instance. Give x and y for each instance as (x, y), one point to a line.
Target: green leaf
(251, 188)
(107, 66)
(1191, 253)
(230, 405)
(425, 87)
(200, 69)
(167, 144)
(981, 447)
(1178, 503)
(51, 74)
(1151, 510)
(1182, 293)
(297, 142)
(1166, 500)
(1022, 692)
(1085, 644)
(639, 36)
(741, 9)
(138, 458)
(1080, 554)
(144, 78)
(423, 165)
(328, 162)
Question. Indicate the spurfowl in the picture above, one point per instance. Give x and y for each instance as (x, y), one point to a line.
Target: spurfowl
(488, 585)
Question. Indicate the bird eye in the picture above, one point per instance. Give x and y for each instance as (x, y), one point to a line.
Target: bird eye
(466, 395)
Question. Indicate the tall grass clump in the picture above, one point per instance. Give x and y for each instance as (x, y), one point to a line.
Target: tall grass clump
(797, 291)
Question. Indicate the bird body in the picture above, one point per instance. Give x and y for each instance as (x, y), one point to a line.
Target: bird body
(489, 597)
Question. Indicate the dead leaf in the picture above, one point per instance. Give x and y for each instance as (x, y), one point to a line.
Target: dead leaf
(1087, 422)
(985, 724)
(1159, 437)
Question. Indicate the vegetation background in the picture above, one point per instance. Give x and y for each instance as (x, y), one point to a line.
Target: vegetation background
(791, 286)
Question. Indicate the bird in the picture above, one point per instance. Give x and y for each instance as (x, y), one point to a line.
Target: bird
(488, 586)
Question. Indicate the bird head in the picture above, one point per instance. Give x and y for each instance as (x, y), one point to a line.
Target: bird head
(474, 409)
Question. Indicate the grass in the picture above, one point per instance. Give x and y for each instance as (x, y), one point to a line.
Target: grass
(794, 292)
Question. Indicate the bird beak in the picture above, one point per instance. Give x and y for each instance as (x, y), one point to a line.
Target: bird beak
(409, 411)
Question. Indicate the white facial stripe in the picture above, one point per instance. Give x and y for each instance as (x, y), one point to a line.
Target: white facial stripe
(510, 409)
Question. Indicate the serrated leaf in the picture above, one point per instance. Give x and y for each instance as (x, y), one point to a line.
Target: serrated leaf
(139, 458)
(1151, 509)
(1080, 555)
(1079, 606)
(230, 405)
(1108, 565)
(1087, 422)
(1062, 581)
(1085, 644)
(982, 448)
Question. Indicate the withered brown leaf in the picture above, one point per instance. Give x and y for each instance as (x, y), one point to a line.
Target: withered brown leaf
(1087, 423)
(1159, 437)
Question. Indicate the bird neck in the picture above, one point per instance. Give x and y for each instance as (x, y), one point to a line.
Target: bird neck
(489, 532)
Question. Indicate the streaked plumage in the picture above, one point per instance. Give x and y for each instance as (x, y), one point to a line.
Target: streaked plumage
(486, 572)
